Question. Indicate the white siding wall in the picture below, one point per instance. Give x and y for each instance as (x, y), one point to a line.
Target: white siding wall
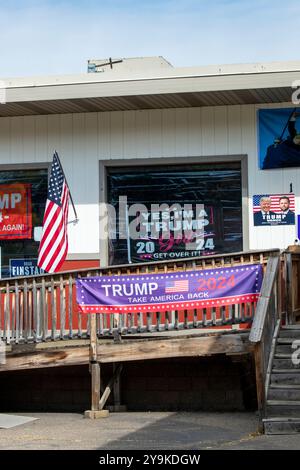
(84, 139)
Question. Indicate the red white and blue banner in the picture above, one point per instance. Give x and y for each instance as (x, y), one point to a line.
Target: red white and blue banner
(169, 291)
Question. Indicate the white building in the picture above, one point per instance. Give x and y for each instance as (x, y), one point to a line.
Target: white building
(155, 132)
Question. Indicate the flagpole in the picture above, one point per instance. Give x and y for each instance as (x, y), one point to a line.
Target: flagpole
(75, 213)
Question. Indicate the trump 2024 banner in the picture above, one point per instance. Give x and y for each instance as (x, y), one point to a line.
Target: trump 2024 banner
(169, 291)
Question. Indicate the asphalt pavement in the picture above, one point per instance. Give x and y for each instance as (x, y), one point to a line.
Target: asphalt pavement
(144, 430)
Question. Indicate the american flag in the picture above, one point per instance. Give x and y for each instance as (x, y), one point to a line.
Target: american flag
(274, 201)
(54, 242)
(177, 286)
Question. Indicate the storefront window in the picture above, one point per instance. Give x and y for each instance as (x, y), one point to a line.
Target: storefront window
(204, 194)
(23, 196)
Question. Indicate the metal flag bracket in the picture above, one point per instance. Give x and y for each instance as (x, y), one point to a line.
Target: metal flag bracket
(74, 222)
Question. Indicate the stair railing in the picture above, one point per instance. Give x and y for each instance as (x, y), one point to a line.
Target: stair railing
(267, 318)
(292, 274)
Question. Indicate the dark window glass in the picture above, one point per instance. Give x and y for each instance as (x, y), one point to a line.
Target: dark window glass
(217, 187)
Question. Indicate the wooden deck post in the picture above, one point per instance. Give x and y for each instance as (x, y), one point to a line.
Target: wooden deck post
(95, 411)
(117, 392)
(117, 388)
(260, 385)
(95, 396)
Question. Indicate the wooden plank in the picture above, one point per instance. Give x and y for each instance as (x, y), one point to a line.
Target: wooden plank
(7, 315)
(36, 319)
(289, 287)
(204, 313)
(260, 256)
(149, 321)
(295, 284)
(285, 425)
(100, 322)
(230, 313)
(185, 321)
(27, 348)
(223, 315)
(271, 357)
(40, 311)
(54, 357)
(30, 314)
(176, 320)
(17, 311)
(93, 340)
(292, 378)
(167, 321)
(88, 326)
(263, 302)
(195, 318)
(79, 333)
(2, 316)
(95, 392)
(191, 332)
(130, 321)
(158, 349)
(70, 307)
(21, 314)
(117, 385)
(260, 379)
(53, 310)
(158, 320)
(214, 315)
(62, 307)
(243, 312)
(13, 315)
(139, 321)
(44, 311)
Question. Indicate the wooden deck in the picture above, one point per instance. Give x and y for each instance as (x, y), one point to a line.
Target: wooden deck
(41, 326)
(193, 343)
(43, 308)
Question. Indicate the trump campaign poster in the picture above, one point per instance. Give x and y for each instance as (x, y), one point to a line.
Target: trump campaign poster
(189, 233)
(15, 211)
(274, 209)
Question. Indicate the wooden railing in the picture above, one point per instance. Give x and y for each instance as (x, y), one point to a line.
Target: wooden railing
(265, 328)
(42, 308)
(292, 276)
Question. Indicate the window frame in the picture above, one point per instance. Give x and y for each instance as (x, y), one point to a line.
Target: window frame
(104, 165)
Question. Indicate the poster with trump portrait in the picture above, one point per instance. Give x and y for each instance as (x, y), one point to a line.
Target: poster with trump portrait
(274, 209)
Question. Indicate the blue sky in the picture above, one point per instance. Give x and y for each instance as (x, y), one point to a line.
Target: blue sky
(41, 37)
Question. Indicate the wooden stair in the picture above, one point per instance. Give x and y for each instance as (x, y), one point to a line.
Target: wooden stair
(283, 398)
